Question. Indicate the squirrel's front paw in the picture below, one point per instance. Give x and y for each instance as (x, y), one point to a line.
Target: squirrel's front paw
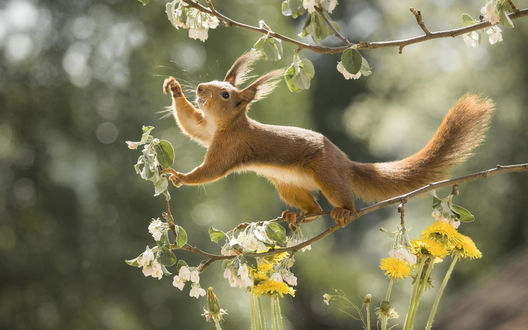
(174, 177)
(171, 85)
(340, 215)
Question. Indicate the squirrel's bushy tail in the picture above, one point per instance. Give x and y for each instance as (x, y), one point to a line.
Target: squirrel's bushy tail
(461, 131)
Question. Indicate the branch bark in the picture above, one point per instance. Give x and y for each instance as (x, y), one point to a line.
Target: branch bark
(402, 199)
(400, 44)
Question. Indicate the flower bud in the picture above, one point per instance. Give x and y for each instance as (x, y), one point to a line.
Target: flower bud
(212, 302)
(367, 299)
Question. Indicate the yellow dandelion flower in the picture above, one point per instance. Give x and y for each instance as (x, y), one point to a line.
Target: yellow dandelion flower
(395, 268)
(269, 287)
(429, 247)
(442, 232)
(467, 248)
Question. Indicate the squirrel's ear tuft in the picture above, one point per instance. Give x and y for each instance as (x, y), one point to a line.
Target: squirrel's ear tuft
(263, 86)
(239, 71)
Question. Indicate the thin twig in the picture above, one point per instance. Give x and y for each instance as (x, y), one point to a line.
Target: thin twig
(400, 44)
(402, 199)
(419, 20)
(514, 8)
(336, 32)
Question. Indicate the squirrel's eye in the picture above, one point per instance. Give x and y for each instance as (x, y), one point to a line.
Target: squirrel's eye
(225, 95)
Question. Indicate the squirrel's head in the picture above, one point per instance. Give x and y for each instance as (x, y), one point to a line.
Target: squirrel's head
(224, 102)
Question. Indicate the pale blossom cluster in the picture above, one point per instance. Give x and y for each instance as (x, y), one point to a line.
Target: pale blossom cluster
(472, 39)
(494, 35)
(157, 228)
(297, 238)
(238, 277)
(196, 21)
(311, 5)
(151, 267)
(403, 254)
(490, 12)
(192, 275)
(341, 68)
(439, 215)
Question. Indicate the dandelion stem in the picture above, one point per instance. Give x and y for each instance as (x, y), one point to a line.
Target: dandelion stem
(412, 303)
(367, 308)
(254, 321)
(261, 314)
(440, 293)
(421, 289)
(384, 317)
(272, 310)
(217, 324)
(279, 314)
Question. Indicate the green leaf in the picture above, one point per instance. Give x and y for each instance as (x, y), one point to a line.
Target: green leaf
(462, 214)
(352, 60)
(164, 153)
(505, 19)
(272, 48)
(133, 262)
(144, 2)
(181, 238)
(160, 185)
(299, 74)
(293, 8)
(215, 234)
(436, 200)
(276, 232)
(146, 134)
(180, 264)
(468, 20)
(166, 257)
(365, 68)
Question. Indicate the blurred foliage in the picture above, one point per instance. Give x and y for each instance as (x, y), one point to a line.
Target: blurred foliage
(78, 78)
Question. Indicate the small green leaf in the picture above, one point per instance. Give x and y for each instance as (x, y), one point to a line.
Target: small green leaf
(166, 257)
(365, 68)
(276, 232)
(144, 2)
(436, 200)
(160, 185)
(180, 264)
(164, 153)
(505, 20)
(299, 74)
(352, 60)
(215, 234)
(181, 238)
(468, 20)
(146, 134)
(293, 8)
(133, 262)
(462, 214)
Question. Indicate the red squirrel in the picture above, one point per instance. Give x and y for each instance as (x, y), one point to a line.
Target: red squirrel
(298, 161)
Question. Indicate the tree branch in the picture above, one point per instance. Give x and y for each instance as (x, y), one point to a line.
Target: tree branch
(400, 44)
(402, 199)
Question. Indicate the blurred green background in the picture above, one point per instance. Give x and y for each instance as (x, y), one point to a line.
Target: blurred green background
(78, 78)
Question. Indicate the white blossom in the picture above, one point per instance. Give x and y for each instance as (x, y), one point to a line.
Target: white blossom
(185, 273)
(345, 73)
(243, 273)
(132, 145)
(157, 228)
(276, 277)
(495, 34)
(146, 257)
(290, 278)
(331, 4)
(200, 34)
(154, 270)
(196, 291)
(195, 276)
(438, 215)
(471, 39)
(490, 12)
(178, 282)
(227, 251)
(310, 5)
(403, 254)
(230, 275)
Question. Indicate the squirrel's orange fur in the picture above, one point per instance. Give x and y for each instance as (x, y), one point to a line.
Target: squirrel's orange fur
(300, 161)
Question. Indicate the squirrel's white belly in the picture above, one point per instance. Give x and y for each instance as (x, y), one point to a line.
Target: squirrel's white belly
(296, 177)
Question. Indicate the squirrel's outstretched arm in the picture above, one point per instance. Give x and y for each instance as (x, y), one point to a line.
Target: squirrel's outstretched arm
(191, 120)
(219, 161)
